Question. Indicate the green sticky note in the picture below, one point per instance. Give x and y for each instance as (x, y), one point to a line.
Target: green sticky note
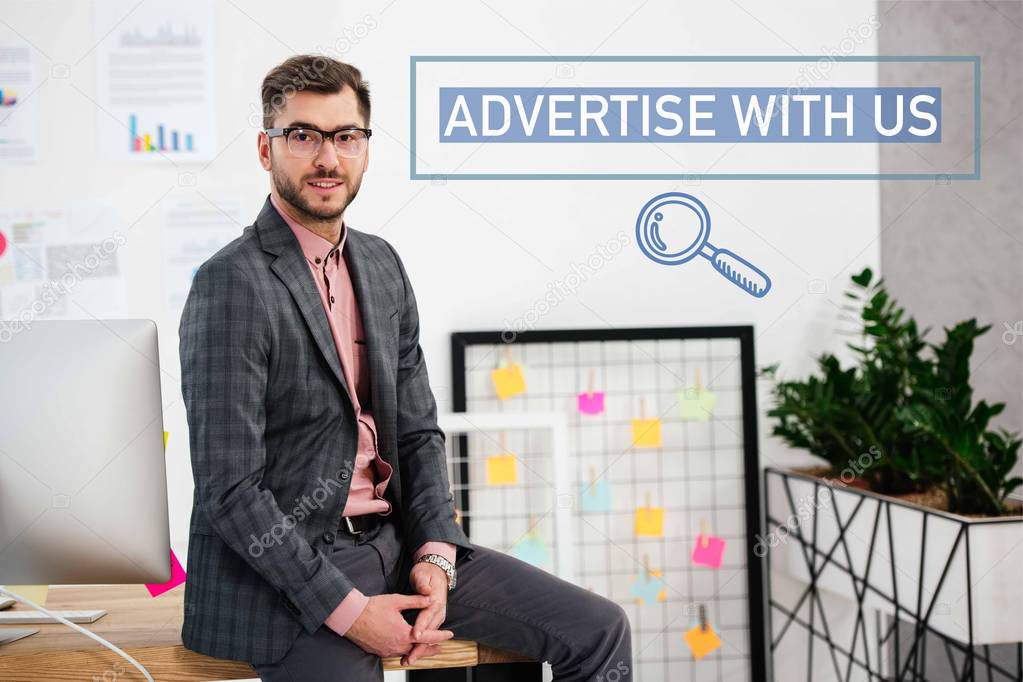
(697, 403)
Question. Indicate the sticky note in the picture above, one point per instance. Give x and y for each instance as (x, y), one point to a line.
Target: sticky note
(702, 641)
(165, 436)
(646, 433)
(509, 381)
(650, 589)
(531, 549)
(502, 470)
(177, 577)
(697, 403)
(36, 593)
(590, 403)
(650, 521)
(709, 555)
(596, 497)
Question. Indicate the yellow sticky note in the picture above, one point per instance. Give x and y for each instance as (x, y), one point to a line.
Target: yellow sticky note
(646, 433)
(702, 641)
(36, 593)
(650, 521)
(509, 381)
(165, 436)
(502, 470)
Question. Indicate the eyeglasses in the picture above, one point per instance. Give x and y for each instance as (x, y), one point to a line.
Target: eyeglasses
(350, 143)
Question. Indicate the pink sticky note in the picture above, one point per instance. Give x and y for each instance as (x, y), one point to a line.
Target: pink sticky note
(591, 403)
(177, 577)
(711, 554)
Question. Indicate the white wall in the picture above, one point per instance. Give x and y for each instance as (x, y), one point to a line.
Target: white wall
(474, 268)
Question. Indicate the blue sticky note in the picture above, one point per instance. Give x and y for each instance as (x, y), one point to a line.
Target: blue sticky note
(596, 497)
(647, 588)
(531, 549)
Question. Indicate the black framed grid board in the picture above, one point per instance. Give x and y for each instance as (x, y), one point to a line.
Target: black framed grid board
(663, 496)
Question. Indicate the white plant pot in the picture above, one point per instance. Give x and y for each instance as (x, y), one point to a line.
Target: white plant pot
(963, 575)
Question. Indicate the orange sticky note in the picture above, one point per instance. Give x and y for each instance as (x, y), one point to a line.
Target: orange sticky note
(650, 521)
(509, 381)
(646, 433)
(702, 641)
(502, 470)
(36, 593)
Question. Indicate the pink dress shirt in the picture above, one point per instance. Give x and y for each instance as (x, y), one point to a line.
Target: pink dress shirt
(330, 272)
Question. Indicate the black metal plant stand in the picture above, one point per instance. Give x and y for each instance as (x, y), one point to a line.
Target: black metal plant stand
(906, 647)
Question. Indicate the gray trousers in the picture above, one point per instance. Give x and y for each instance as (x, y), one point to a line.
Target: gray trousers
(499, 601)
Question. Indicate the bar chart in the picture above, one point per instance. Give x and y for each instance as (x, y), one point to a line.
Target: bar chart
(163, 140)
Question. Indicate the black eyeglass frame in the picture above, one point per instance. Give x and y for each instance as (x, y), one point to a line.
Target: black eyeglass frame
(325, 134)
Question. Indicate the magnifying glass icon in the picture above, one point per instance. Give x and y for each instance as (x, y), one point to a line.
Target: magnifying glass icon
(684, 215)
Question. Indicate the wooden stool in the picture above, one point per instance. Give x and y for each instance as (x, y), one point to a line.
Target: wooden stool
(456, 653)
(448, 665)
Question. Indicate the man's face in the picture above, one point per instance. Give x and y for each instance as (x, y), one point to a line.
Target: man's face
(293, 176)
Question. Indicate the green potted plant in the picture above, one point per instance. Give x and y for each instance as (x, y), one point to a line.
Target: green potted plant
(900, 425)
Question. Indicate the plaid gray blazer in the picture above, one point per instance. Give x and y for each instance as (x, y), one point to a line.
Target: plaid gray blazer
(273, 436)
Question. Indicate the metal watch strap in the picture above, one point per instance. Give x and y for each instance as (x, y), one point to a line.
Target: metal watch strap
(446, 566)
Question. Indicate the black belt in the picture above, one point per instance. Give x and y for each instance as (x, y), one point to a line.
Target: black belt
(357, 525)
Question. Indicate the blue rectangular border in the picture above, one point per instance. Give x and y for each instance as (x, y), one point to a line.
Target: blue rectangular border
(414, 60)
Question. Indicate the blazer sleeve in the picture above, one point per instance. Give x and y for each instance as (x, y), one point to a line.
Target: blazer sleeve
(225, 344)
(426, 493)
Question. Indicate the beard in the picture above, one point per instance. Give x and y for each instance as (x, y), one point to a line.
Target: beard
(292, 193)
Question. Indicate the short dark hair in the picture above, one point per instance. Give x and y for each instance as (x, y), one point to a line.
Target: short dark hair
(315, 73)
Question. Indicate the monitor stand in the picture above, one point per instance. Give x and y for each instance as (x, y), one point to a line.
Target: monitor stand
(8, 635)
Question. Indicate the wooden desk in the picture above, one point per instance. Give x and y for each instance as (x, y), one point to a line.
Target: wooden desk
(149, 629)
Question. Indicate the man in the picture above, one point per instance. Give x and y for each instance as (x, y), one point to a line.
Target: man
(322, 510)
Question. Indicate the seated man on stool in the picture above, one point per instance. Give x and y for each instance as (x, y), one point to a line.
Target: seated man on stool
(321, 488)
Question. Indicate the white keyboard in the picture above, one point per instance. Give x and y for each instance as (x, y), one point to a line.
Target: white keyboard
(33, 617)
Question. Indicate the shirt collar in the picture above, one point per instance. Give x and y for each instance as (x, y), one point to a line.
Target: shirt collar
(315, 247)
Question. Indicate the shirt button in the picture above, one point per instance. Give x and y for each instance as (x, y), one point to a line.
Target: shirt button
(317, 259)
(331, 299)
(328, 537)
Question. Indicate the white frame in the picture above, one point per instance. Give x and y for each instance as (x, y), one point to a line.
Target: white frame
(556, 423)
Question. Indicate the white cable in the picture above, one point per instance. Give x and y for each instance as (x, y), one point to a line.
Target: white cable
(75, 626)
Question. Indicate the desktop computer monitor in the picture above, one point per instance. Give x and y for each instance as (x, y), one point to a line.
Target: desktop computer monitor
(83, 486)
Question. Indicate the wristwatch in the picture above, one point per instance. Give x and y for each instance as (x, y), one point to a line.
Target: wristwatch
(446, 565)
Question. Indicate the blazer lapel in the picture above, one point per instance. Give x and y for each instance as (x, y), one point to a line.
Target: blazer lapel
(375, 308)
(291, 267)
